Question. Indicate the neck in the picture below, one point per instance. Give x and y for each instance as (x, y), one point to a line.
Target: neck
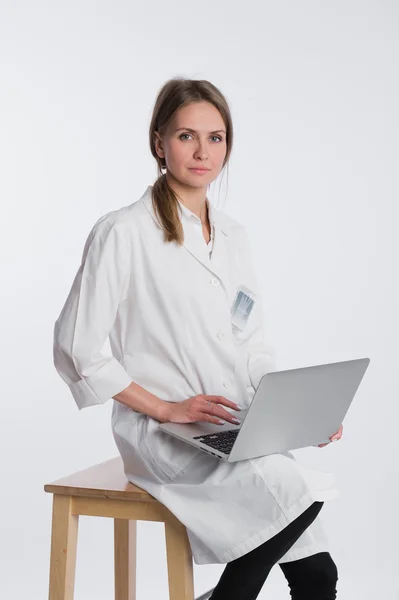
(194, 198)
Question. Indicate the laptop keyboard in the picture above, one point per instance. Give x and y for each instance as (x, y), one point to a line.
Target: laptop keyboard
(222, 440)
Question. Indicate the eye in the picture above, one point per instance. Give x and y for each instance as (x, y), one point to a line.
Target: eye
(213, 136)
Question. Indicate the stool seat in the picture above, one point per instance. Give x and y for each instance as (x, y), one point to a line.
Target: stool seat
(105, 480)
(103, 490)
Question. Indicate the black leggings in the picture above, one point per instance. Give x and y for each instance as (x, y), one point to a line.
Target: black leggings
(310, 578)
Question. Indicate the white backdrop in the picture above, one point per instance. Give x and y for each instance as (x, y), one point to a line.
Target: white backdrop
(313, 88)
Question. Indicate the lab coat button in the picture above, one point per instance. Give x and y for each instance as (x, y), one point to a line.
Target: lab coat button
(225, 383)
(221, 335)
(215, 281)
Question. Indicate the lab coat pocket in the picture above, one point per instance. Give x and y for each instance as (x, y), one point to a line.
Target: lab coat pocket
(164, 454)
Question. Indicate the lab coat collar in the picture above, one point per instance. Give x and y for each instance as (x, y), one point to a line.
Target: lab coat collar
(217, 262)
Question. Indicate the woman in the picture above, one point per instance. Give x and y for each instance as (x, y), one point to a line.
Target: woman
(159, 276)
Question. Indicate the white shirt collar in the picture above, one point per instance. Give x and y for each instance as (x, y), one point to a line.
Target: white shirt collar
(189, 215)
(215, 215)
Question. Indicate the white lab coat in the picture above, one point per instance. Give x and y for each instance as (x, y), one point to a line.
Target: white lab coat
(166, 309)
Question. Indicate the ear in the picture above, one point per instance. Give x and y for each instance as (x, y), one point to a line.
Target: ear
(158, 144)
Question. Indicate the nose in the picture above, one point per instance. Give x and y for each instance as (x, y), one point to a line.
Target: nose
(201, 151)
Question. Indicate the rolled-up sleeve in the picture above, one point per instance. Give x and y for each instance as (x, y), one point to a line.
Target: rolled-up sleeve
(88, 315)
(261, 354)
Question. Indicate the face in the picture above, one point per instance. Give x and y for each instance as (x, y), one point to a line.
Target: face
(195, 138)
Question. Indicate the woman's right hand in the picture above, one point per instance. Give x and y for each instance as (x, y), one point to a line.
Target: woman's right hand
(197, 408)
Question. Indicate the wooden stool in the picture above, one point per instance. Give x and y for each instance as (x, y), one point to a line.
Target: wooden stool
(104, 491)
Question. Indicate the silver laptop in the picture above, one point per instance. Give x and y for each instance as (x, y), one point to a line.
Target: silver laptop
(291, 409)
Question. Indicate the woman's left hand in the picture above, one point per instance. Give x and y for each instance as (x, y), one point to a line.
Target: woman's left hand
(336, 436)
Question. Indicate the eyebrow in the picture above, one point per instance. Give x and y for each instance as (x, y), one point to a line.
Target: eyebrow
(193, 130)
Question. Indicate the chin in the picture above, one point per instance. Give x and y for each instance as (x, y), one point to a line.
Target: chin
(193, 181)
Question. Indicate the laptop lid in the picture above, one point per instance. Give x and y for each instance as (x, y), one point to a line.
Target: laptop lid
(297, 408)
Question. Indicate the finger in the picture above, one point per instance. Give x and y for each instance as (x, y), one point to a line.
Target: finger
(222, 400)
(221, 413)
(229, 417)
(210, 419)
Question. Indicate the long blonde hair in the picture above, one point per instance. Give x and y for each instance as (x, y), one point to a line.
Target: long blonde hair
(175, 94)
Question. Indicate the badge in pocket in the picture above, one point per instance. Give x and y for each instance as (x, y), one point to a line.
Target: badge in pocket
(242, 307)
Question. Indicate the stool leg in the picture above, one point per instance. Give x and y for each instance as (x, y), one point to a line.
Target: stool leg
(125, 538)
(64, 537)
(180, 561)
